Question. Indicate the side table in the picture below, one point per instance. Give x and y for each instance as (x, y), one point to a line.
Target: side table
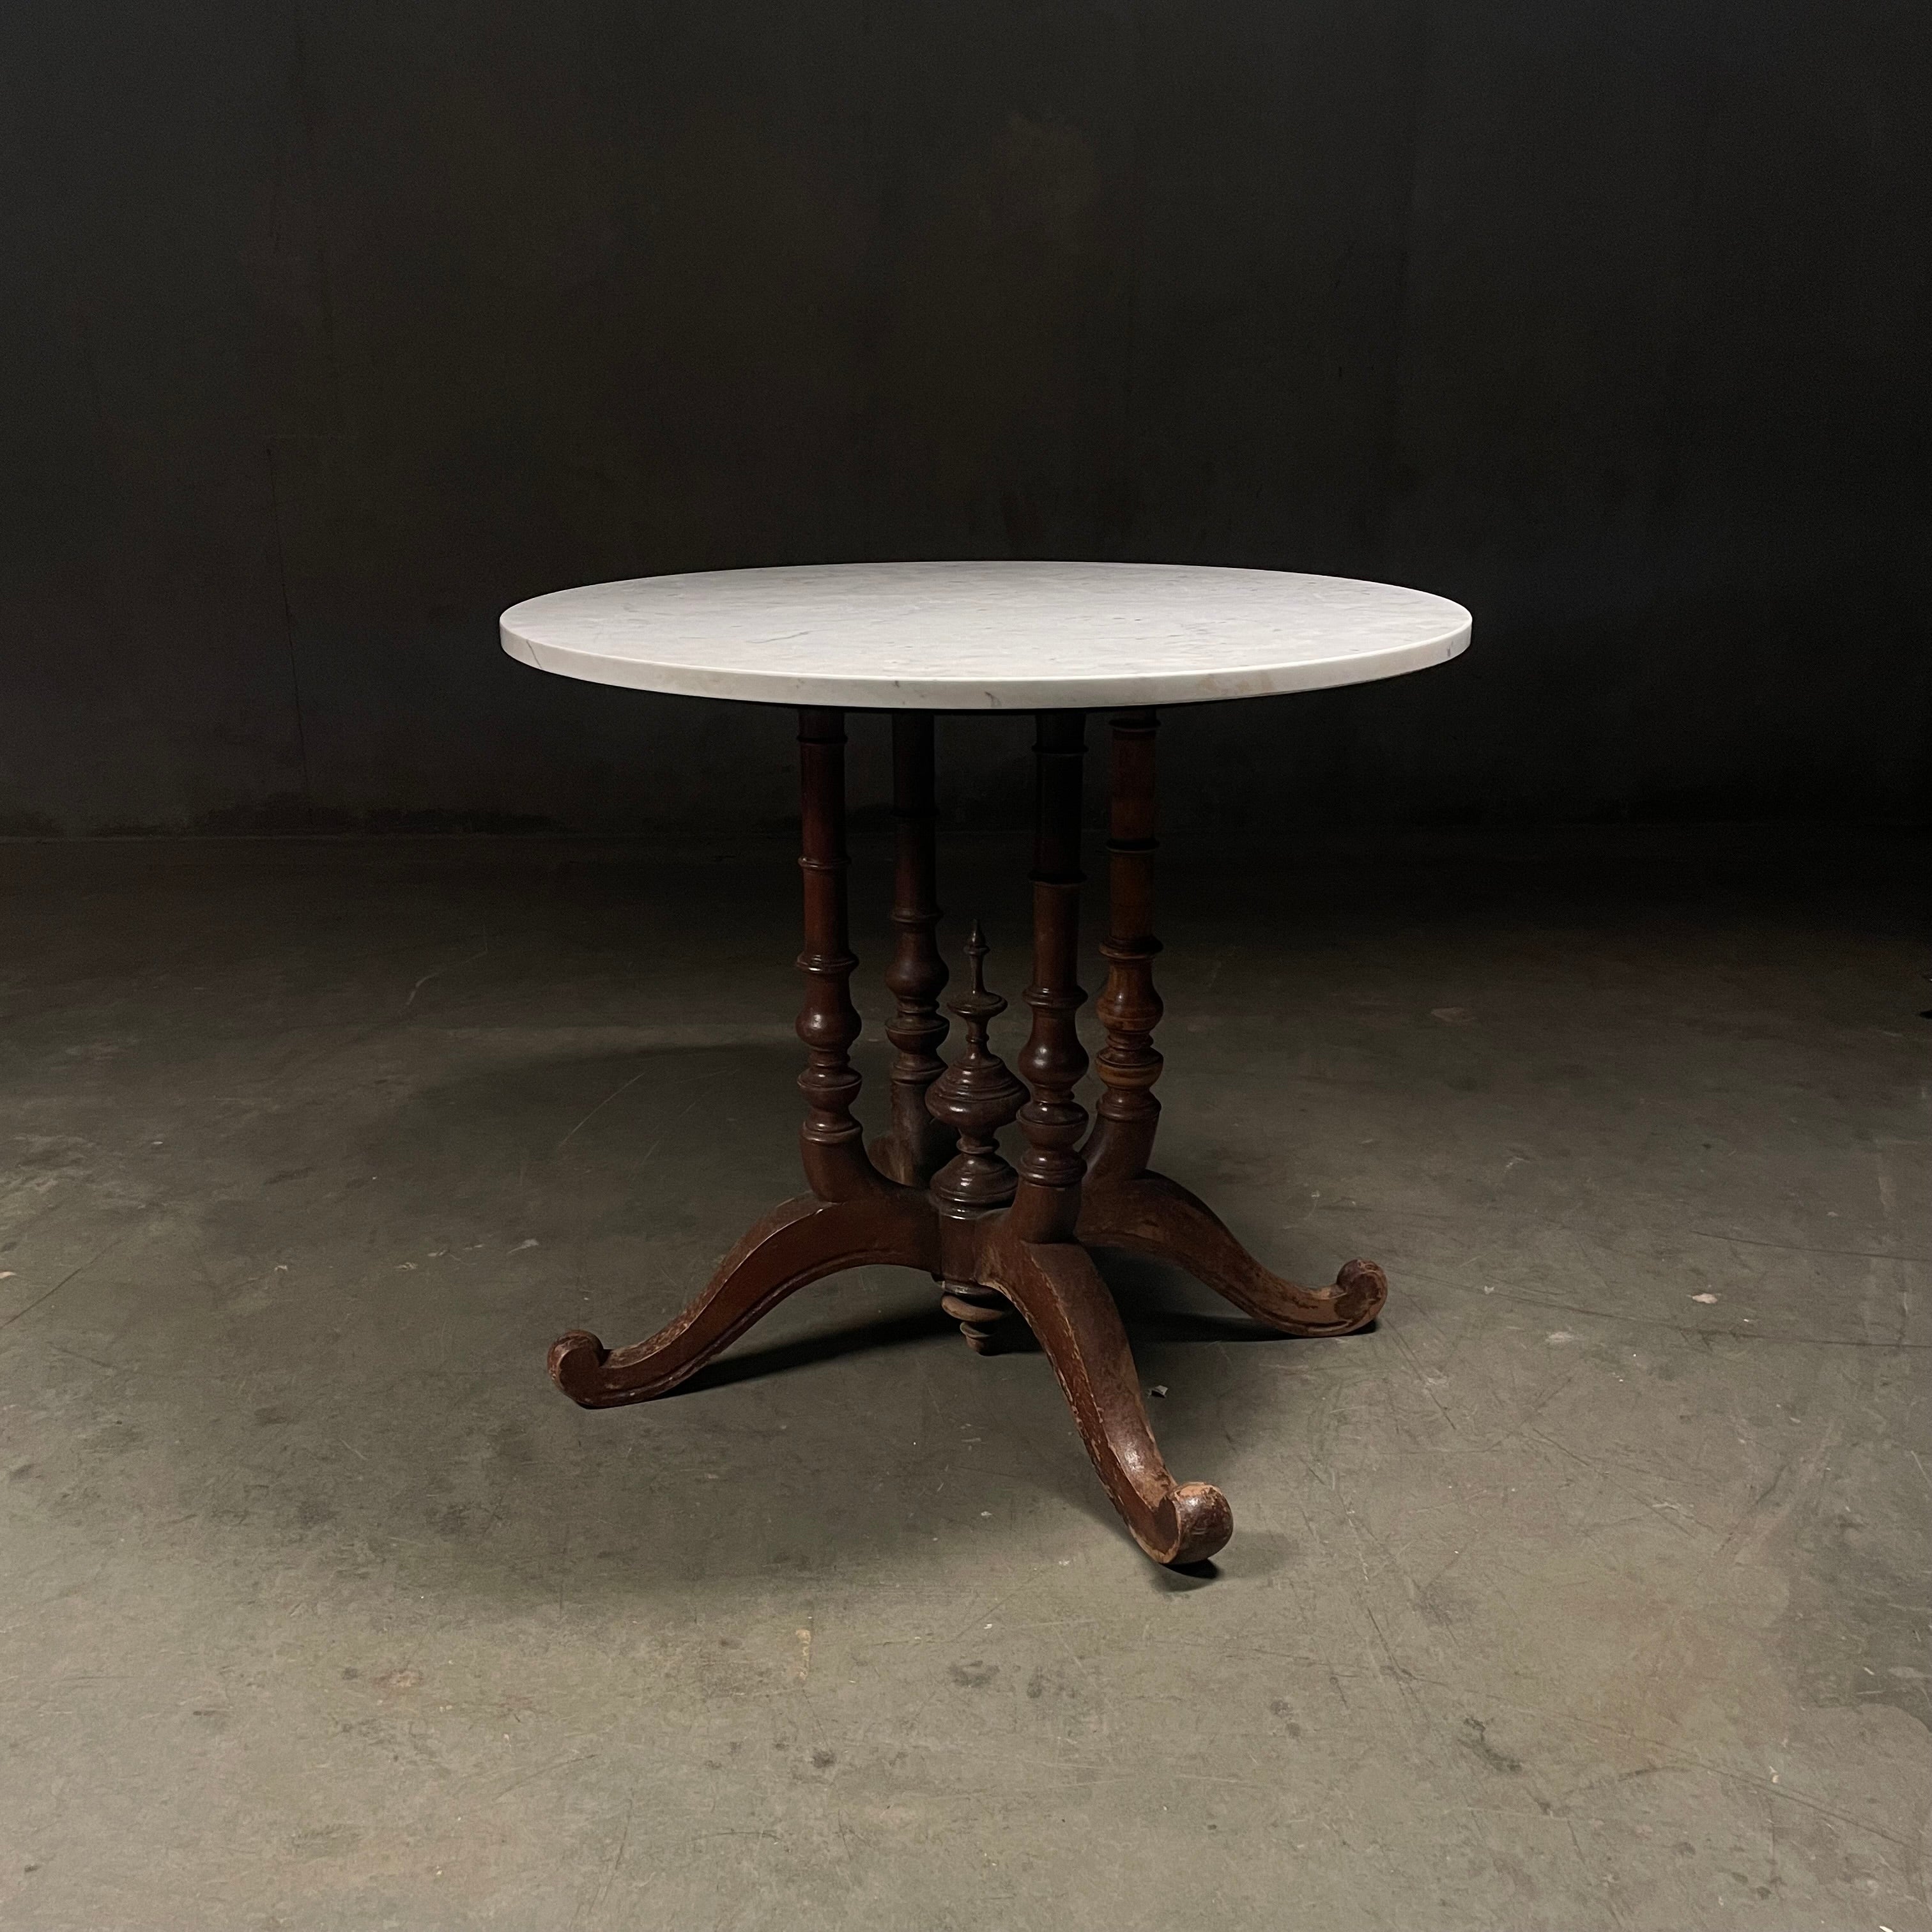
(935, 1193)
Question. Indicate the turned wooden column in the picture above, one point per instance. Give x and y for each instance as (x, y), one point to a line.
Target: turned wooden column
(1047, 1204)
(916, 978)
(831, 1141)
(1129, 1008)
(976, 1097)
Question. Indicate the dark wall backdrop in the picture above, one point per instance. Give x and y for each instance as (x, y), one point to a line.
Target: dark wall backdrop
(331, 328)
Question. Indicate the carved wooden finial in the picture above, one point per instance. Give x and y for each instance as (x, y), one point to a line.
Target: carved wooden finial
(976, 1006)
(976, 1095)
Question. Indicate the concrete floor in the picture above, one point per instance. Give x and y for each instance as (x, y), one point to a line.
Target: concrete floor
(1589, 1590)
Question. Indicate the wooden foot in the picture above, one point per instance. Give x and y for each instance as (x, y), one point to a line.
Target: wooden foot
(984, 1315)
(802, 1242)
(1071, 1310)
(1151, 1215)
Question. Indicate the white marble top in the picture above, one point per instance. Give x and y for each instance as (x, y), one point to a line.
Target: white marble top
(984, 637)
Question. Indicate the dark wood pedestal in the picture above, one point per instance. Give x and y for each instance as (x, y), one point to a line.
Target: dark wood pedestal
(935, 1193)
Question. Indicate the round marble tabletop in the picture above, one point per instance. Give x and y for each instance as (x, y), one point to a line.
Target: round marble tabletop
(984, 637)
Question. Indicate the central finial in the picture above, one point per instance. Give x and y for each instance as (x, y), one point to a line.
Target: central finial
(976, 1097)
(976, 1006)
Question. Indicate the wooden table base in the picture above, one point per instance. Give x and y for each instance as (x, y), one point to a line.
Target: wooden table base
(936, 1193)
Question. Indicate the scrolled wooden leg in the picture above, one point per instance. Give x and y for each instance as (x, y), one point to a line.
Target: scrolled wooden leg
(1071, 1310)
(796, 1244)
(1122, 1204)
(1149, 1214)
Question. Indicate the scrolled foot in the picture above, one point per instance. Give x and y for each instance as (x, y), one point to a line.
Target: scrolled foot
(1360, 1289)
(1149, 1214)
(1071, 1310)
(574, 1360)
(1204, 1521)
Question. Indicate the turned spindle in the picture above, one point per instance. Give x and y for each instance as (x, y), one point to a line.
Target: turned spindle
(832, 1143)
(919, 1143)
(976, 1097)
(1047, 1203)
(1129, 1007)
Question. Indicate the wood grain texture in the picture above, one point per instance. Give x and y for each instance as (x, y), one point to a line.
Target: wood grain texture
(1149, 1214)
(1056, 1286)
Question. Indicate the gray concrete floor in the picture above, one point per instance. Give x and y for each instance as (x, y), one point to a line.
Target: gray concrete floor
(1588, 1590)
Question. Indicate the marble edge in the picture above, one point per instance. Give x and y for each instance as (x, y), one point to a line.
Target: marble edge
(521, 648)
(1043, 694)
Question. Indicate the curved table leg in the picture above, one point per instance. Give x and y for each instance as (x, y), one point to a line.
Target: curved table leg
(1149, 1214)
(796, 1244)
(1056, 1287)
